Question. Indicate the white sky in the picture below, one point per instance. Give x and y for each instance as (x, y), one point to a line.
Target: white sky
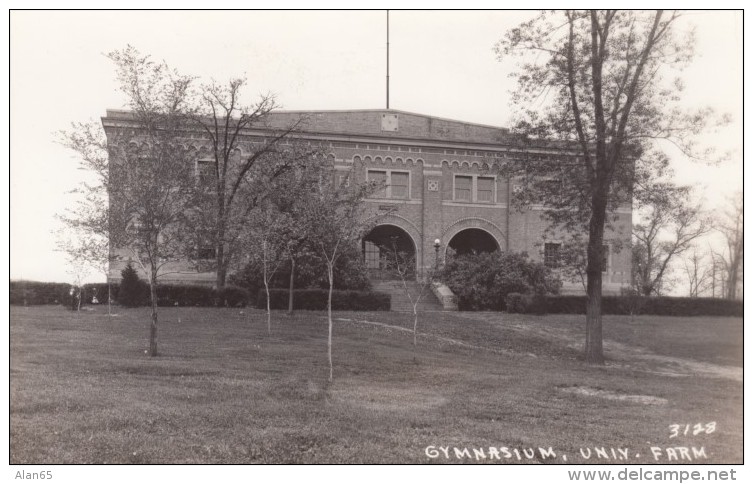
(441, 64)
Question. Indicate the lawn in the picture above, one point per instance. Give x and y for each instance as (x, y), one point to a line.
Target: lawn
(225, 391)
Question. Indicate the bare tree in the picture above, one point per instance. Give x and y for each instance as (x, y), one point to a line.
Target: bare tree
(595, 81)
(403, 265)
(264, 239)
(731, 227)
(239, 165)
(668, 225)
(699, 272)
(335, 218)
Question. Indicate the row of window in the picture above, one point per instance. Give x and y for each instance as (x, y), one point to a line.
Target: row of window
(468, 188)
(552, 255)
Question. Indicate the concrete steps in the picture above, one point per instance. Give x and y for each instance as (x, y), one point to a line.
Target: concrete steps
(401, 302)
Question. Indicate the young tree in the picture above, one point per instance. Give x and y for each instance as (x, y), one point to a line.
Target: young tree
(145, 170)
(595, 80)
(668, 225)
(335, 220)
(403, 265)
(264, 239)
(731, 227)
(86, 238)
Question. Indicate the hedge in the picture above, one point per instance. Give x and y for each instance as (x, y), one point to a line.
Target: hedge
(316, 299)
(32, 293)
(657, 306)
(196, 295)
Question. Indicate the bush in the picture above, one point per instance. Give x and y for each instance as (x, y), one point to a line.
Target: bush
(482, 281)
(32, 293)
(514, 303)
(316, 299)
(133, 291)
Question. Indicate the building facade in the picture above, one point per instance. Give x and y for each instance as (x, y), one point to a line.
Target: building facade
(442, 194)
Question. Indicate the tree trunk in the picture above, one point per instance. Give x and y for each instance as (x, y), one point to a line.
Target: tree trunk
(269, 311)
(109, 298)
(291, 287)
(153, 327)
(732, 284)
(594, 349)
(221, 268)
(415, 324)
(329, 319)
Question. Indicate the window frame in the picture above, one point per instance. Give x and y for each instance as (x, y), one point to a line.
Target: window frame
(388, 182)
(474, 188)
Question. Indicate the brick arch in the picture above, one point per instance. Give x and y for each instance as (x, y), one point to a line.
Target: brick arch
(409, 228)
(403, 223)
(473, 223)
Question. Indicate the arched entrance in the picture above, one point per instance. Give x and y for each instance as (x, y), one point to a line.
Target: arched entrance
(470, 241)
(386, 248)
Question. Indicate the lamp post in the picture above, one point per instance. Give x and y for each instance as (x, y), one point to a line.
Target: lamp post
(437, 243)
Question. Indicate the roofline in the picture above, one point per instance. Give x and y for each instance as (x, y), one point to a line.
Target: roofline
(396, 111)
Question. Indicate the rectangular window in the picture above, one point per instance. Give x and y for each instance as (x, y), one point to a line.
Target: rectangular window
(552, 255)
(484, 189)
(463, 187)
(398, 184)
(604, 258)
(380, 177)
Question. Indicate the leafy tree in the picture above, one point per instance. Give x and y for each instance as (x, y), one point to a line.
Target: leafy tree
(145, 169)
(596, 81)
(668, 225)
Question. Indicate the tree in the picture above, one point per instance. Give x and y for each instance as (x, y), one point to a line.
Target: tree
(86, 238)
(595, 81)
(264, 239)
(403, 264)
(335, 221)
(240, 166)
(668, 225)
(145, 169)
(731, 227)
(698, 273)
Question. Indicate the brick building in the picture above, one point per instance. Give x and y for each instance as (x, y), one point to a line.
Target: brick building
(441, 186)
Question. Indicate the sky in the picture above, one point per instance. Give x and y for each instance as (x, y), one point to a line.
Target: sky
(441, 64)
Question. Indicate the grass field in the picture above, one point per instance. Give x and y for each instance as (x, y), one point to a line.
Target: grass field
(224, 391)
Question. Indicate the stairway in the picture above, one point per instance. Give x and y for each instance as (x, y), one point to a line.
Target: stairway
(400, 301)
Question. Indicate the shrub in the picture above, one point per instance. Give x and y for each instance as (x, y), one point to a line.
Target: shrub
(316, 299)
(133, 291)
(33, 293)
(482, 281)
